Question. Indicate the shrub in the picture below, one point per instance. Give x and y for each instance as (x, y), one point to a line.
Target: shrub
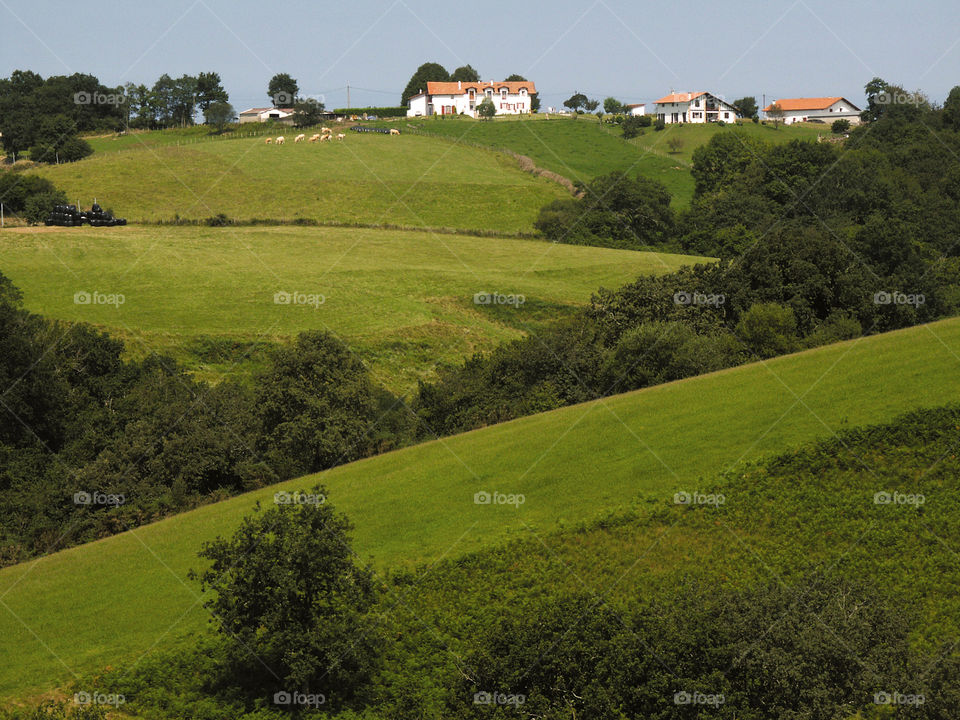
(288, 595)
(768, 329)
(40, 205)
(840, 126)
(659, 125)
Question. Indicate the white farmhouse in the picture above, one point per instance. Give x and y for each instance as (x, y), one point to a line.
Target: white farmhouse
(284, 115)
(636, 109)
(694, 107)
(454, 98)
(825, 109)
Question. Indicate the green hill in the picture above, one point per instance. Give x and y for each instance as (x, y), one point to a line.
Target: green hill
(113, 600)
(403, 300)
(581, 149)
(367, 178)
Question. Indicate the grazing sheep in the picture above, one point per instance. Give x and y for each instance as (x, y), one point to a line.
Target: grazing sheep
(394, 131)
(280, 140)
(268, 141)
(326, 131)
(340, 136)
(324, 138)
(314, 138)
(299, 138)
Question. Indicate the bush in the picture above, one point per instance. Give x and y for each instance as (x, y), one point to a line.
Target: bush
(288, 595)
(768, 329)
(40, 205)
(633, 125)
(840, 126)
(659, 125)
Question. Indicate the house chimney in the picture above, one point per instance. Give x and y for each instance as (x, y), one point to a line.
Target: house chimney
(459, 84)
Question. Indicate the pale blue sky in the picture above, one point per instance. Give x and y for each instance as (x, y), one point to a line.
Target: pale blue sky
(635, 51)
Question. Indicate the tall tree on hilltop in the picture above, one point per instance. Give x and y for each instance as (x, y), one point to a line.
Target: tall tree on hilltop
(428, 72)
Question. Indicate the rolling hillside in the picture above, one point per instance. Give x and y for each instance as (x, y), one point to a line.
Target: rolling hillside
(581, 149)
(403, 300)
(368, 178)
(118, 598)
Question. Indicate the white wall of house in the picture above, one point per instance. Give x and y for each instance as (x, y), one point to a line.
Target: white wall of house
(840, 109)
(701, 109)
(506, 103)
(638, 110)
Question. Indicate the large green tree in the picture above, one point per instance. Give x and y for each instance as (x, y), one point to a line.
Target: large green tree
(283, 90)
(428, 72)
(210, 90)
(465, 73)
(747, 106)
(291, 601)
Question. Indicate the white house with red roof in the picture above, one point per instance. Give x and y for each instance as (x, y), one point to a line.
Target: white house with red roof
(824, 109)
(694, 107)
(457, 97)
(252, 115)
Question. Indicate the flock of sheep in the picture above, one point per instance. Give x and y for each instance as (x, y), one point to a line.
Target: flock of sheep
(325, 135)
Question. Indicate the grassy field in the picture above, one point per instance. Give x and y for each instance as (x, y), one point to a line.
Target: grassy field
(402, 300)
(368, 178)
(113, 600)
(582, 149)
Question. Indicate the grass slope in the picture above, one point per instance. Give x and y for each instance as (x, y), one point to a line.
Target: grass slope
(115, 599)
(581, 149)
(402, 300)
(367, 178)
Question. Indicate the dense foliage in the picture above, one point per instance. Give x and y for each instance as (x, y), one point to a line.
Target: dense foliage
(803, 596)
(92, 444)
(291, 603)
(816, 244)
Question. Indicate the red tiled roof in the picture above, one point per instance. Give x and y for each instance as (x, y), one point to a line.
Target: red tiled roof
(458, 88)
(266, 109)
(821, 103)
(678, 97)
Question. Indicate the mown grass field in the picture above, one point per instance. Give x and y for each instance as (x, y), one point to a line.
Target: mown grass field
(113, 600)
(368, 178)
(581, 148)
(403, 300)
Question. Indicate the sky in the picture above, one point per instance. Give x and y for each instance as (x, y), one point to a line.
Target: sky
(634, 51)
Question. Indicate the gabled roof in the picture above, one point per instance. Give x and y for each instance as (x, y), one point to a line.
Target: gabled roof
(459, 88)
(635, 105)
(821, 103)
(678, 97)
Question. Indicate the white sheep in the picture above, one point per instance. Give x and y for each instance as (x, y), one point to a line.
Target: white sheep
(280, 140)
(314, 138)
(299, 138)
(324, 138)
(340, 136)
(268, 141)
(394, 131)
(326, 131)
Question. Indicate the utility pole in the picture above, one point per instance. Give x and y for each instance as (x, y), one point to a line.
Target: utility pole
(348, 94)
